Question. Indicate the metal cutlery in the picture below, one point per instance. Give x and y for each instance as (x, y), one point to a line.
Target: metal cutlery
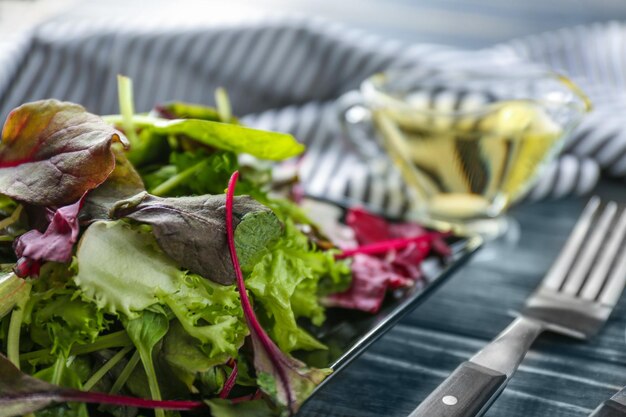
(574, 299)
(613, 407)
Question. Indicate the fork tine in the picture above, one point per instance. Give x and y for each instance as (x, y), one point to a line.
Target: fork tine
(601, 270)
(556, 275)
(614, 287)
(576, 278)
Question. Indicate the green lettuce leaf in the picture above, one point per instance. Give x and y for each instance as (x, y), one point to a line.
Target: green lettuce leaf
(229, 137)
(122, 269)
(57, 316)
(52, 152)
(66, 319)
(192, 173)
(191, 230)
(211, 313)
(285, 282)
(184, 355)
(11, 291)
(181, 110)
(226, 408)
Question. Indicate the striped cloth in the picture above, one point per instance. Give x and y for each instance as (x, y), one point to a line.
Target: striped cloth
(286, 74)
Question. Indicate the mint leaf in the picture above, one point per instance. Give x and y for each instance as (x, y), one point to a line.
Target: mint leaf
(52, 152)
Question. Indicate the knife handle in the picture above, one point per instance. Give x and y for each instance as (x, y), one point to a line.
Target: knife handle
(609, 408)
(464, 393)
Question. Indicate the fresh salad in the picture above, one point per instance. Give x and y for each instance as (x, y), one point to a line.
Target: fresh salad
(148, 266)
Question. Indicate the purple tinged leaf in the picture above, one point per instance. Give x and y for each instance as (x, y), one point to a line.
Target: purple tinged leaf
(288, 381)
(55, 244)
(22, 394)
(124, 182)
(52, 152)
(191, 230)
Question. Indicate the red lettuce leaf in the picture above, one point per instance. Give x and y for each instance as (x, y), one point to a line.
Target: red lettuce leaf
(191, 230)
(124, 182)
(389, 257)
(55, 244)
(22, 394)
(52, 152)
(286, 380)
(371, 278)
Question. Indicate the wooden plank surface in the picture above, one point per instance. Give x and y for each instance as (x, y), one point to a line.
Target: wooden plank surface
(560, 377)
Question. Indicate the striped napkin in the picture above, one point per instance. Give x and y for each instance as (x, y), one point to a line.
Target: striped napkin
(286, 74)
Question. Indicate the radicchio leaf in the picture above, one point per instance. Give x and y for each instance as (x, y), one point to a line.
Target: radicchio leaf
(55, 244)
(22, 394)
(191, 230)
(288, 381)
(52, 152)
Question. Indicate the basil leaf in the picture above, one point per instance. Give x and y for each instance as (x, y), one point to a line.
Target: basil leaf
(52, 152)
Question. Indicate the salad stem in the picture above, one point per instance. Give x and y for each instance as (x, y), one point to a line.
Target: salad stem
(111, 340)
(386, 246)
(125, 94)
(100, 373)
(172, 182)
(223, 105)
(59, 368)
(153, 383)
(12, 218)
(13, 338)
(138, 120)
(125, 374)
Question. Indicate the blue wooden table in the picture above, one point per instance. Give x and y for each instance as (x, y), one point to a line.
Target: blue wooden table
(559, 377)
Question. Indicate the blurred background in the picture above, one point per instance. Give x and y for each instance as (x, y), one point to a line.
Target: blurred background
(463, 23)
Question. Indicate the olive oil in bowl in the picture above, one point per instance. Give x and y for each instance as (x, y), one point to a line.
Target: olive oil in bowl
(473, 166)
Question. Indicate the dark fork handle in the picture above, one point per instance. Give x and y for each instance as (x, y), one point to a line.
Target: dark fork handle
(610, 408)
(473, 386)
(614, 407)
(466, 392)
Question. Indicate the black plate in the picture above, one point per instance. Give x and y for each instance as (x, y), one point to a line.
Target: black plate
(347, 333)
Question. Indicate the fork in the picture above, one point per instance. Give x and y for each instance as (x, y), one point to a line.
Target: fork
(574, 299)
(613, 407)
